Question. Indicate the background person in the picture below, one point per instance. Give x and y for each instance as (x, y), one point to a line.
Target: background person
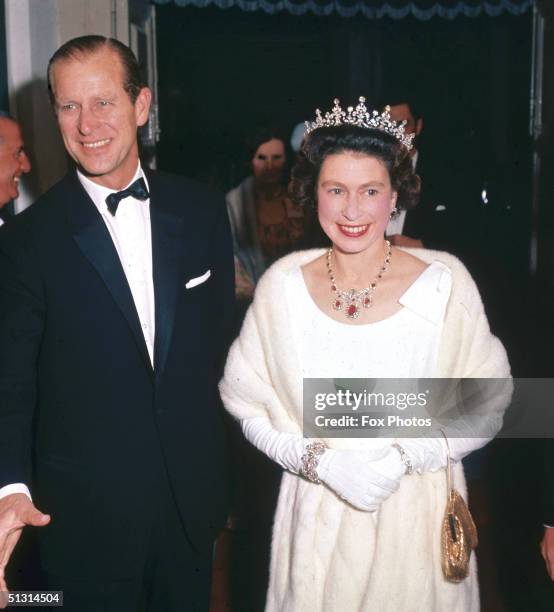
(266, 224)
(430, 224)
(13, 162)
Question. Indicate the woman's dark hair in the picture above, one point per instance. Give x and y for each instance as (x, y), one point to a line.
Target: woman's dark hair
(260, 135)
(83, 46)
(264, 134)
(350, 138)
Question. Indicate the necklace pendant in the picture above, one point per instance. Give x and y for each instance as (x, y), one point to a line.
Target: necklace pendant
(352, 312)
(353, 301)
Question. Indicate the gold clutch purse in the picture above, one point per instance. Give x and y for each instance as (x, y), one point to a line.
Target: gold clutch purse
(458, 532)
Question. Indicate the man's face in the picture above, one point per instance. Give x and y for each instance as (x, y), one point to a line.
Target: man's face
(403, 112)
(97, 119)
(13, 160)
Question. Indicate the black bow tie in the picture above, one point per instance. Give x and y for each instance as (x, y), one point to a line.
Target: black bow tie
(137, 190)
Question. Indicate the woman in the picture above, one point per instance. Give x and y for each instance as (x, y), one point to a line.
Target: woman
(361, 529)
(266, 224)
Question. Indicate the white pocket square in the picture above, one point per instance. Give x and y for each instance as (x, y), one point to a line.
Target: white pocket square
(198, 280)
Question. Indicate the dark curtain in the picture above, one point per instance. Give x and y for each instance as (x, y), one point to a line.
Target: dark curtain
(222, 73)
(372, 9)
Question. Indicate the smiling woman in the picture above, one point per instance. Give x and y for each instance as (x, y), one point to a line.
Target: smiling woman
(357, 177)
(358, 520)
(355, 200)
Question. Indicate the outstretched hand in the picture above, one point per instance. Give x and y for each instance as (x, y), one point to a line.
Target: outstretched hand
(16, 511)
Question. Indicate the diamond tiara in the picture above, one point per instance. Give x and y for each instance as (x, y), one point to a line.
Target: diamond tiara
(362, 118)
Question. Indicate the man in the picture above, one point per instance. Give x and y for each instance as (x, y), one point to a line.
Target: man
(116, 291)
(13, 162)
(427, 224)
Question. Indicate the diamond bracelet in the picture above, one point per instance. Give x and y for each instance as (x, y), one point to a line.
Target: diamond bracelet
(310, 460)
(405, 458)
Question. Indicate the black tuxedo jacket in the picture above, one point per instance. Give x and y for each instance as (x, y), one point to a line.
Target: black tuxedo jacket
(80, 405)
(447, 196)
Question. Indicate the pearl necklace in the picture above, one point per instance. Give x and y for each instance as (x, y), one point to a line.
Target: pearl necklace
(353, 300)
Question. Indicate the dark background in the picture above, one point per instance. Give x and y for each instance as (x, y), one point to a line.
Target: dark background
(221, 72)
(224, 72)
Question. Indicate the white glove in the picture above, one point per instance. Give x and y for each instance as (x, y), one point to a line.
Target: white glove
(286, 449)
(364, 478)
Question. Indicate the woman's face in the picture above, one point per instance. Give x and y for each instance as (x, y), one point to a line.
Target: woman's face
(354, 200)
(268, 161)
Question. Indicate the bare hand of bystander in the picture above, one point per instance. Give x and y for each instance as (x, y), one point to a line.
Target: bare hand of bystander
(16, 511)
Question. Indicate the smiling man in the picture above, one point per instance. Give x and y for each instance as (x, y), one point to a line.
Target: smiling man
(13, 161)
(116, 291)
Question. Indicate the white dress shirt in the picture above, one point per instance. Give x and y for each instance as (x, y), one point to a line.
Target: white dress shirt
(132, 237)
(131, 234)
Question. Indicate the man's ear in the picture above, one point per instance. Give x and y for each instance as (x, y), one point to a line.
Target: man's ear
(419, 126)
(142, 106)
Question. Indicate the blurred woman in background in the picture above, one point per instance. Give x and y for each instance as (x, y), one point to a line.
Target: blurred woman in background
(266, 224)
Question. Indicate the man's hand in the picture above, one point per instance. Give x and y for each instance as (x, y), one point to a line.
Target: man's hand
(405, 241)
(16, 511)
(547, 550)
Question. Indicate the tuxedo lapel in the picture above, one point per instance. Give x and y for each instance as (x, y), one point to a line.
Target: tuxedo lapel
(167, 254)
(94, 241)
